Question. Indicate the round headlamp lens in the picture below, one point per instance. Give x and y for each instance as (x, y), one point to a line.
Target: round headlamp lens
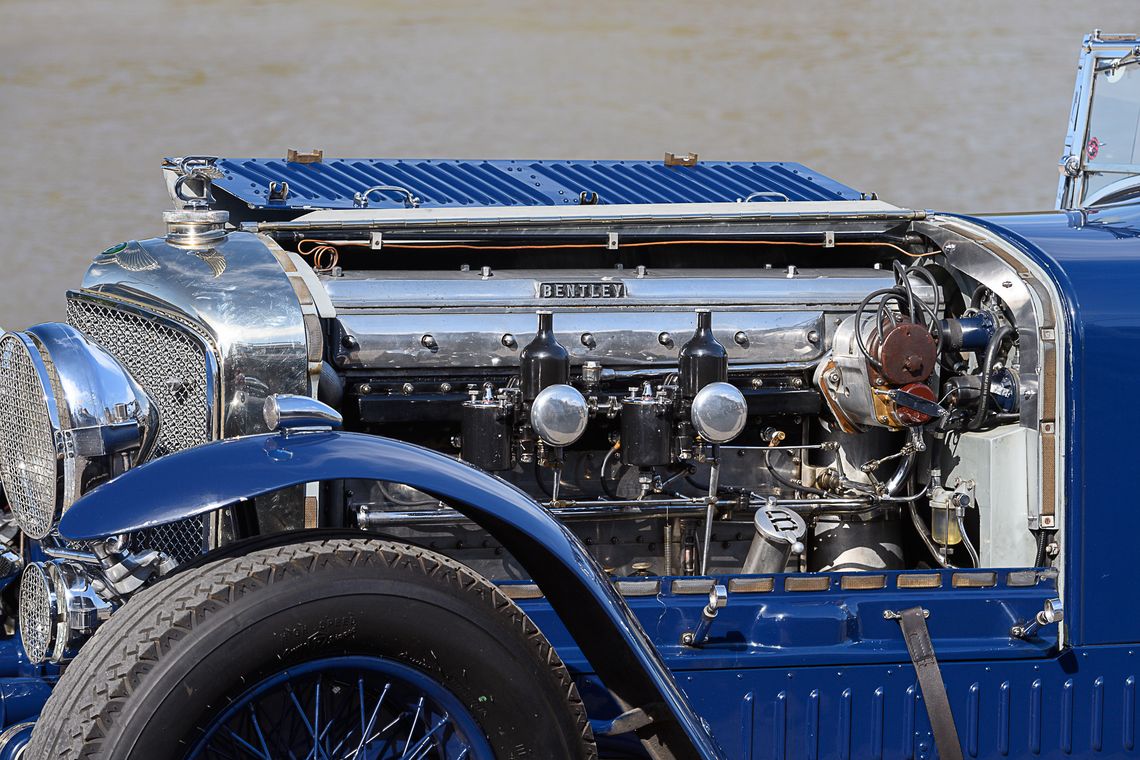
(29, 466)
(37, 613)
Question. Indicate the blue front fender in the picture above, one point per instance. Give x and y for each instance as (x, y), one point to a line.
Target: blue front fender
(215, 475)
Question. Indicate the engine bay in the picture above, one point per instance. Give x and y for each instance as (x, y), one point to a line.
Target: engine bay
(697, 405)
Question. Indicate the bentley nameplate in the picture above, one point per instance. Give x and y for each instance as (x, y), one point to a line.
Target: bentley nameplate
(581, 290)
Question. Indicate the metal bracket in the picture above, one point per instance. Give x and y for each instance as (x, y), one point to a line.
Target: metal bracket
(1054, 612)
(894, 615)
(376, 240)
(683, 159)
(628, 721)
(612, 241)
(917, 403)
(278, 192)
(314, 156)
(718, 600)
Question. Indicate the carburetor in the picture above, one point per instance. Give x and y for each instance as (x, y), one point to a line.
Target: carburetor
(537, 416)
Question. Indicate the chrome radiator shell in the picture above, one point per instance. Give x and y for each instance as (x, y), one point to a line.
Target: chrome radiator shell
(208, 333)
(236, 298)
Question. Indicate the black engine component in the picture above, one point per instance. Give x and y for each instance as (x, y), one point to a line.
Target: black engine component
(486, 439)
(544, 361)
(646, 429)
(703, 359)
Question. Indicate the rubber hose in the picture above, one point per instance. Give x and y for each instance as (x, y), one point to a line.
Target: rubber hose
(992, 349)
(330, 388)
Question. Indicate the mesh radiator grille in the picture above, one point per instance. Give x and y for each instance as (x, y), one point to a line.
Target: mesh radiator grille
(170, 364)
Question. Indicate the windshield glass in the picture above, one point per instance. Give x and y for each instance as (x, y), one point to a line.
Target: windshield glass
(1112, 149)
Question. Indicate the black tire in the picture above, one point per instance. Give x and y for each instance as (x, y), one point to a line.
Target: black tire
(153, 676)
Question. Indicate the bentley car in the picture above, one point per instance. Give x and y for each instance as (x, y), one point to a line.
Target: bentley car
(471, 459)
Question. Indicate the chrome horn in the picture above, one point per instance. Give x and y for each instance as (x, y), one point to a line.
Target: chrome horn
(297, 414)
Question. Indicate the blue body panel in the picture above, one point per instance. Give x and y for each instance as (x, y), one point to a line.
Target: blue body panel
(1094, 257)
(332, 183)
(803, 674)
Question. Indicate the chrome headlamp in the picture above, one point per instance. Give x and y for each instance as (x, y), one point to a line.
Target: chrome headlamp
(70, 418)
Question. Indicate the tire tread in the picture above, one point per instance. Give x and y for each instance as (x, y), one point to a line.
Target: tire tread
(98, 685)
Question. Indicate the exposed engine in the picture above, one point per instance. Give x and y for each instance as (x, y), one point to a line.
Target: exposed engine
(866, 392)
(803, 417)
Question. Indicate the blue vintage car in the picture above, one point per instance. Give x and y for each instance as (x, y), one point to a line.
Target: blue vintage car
(371, 458)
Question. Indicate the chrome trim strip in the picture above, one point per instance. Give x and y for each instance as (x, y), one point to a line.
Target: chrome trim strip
(662, 212)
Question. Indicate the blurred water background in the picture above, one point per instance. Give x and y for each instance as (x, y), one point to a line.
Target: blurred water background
(951, 105)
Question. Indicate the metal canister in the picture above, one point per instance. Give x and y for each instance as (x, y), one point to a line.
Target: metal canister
(779, 535)
(486, 435)
(646, 431)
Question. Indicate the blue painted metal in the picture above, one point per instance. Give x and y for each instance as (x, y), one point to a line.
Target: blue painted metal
(332, 183)
(1093, 257)
(22, 698)
(578, 589)
(791, 628)
(1079, 704)
(790, 696)
(14, 740)
(385, 700)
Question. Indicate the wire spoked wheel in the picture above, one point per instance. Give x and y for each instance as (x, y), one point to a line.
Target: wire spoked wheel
(329, 649)
(345, 708)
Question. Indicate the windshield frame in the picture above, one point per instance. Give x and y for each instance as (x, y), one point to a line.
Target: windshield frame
(1099, 53)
